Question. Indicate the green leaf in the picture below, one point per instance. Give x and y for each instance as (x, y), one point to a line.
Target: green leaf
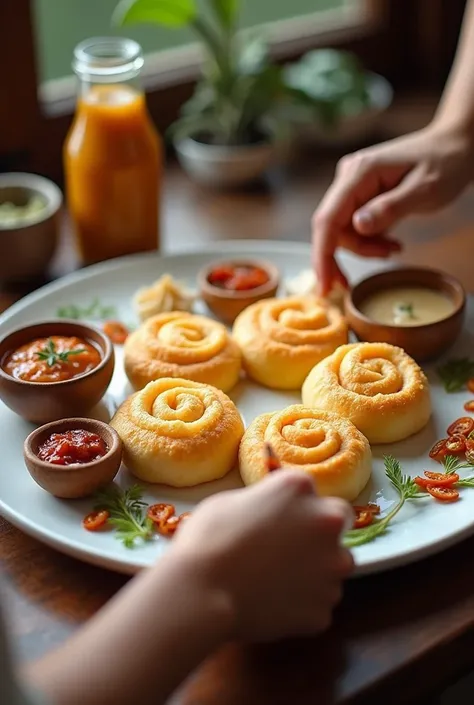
(225, 11)
(171, 13)
(253, 52)
(455, 373)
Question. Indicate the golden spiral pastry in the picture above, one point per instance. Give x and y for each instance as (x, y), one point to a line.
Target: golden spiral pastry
(326, 446)
(375, 385)
(180, 344)
(282, 339)
(179, 433)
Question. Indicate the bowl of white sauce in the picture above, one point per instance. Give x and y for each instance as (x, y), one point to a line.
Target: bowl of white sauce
(418, 309)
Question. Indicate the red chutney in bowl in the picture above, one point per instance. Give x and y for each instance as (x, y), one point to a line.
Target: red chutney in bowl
(54, 359)
(72, 447)
(239, 277)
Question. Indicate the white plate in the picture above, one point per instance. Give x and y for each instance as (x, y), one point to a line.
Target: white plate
(416, 532)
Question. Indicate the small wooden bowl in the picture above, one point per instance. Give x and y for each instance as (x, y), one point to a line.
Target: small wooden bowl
(422, 342)
(227, 305)
(77, 480)
(41, 402)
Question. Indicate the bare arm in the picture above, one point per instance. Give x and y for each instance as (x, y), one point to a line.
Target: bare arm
(221, 579)
(376, 187)
(142, 644)
(456, 108)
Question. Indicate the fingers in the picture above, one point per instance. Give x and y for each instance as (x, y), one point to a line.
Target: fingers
(376, 246)
(334, 515)
(385, 210)
(360, 178)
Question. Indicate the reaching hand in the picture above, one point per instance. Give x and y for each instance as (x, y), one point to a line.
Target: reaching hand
(378, 186)
(274, 548)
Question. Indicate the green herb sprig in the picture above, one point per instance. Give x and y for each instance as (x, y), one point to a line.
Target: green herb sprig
(406, 489)
(455, 373)
(52, 356)
(95, 312)
(453, 463)
(127, 514)
(405, 308)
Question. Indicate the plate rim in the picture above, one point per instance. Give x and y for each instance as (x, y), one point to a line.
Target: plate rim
(102, 558)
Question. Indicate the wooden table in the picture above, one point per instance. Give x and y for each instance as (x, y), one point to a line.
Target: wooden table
(398, 637)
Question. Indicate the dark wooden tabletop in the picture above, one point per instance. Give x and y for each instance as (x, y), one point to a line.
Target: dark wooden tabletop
(399, 637)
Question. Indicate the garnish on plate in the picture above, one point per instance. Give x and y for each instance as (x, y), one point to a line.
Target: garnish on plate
(164, 518)
(53, 356)
(462, 426)
(406, 489)
(126, 514)
(456, 373)
(438, 451)
(271, 459)
(95, 311)
(96, 520)
(116, 331)
(131, 517)
(364, 515)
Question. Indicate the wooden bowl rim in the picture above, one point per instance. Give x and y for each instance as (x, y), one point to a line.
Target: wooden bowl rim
(104, 430)
(106, 357)
(210, 289)
(448, 279)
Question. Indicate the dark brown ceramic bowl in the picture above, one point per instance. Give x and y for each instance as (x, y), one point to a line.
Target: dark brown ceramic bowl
(41, 402)
(422, 342)
(227, 305)
(81, 479)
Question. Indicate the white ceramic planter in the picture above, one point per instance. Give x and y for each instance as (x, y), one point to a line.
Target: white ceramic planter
(224, 167)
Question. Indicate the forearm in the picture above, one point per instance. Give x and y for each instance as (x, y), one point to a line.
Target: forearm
(456, 109)
(143, 643)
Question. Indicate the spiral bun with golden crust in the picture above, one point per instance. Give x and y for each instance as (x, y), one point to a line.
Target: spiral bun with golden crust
(183, 345)
(375, 385)
(282, 339)
(326, 446)
(179, 433)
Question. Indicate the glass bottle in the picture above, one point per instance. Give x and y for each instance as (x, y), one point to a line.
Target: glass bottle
(112, 155)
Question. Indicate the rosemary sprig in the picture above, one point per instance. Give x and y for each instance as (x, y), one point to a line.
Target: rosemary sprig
(455, 373)
(406, 488)
(96, 311)
(52, 356)
(127, 515)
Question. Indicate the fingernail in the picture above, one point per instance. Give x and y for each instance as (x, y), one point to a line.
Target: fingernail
(364, 218)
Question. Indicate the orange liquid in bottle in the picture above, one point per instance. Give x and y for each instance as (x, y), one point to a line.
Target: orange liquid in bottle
(113, 166)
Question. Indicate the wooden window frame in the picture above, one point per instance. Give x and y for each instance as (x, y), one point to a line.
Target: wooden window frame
(409, 41)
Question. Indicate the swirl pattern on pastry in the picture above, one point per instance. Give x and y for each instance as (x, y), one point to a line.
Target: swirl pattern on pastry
(282, 339)
(179, 433)
(376, 385)
(323, 444)
(180, 344)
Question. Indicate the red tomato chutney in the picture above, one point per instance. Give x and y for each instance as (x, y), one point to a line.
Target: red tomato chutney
(239, 277)
(72, 447)
(54, 359)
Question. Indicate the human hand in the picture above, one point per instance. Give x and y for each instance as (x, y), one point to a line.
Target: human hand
(376, 187)
(274, 549)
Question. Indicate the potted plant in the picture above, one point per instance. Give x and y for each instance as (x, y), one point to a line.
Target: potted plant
(335, 101)
(227, 132)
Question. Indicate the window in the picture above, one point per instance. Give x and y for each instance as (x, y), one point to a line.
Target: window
(407, 40)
